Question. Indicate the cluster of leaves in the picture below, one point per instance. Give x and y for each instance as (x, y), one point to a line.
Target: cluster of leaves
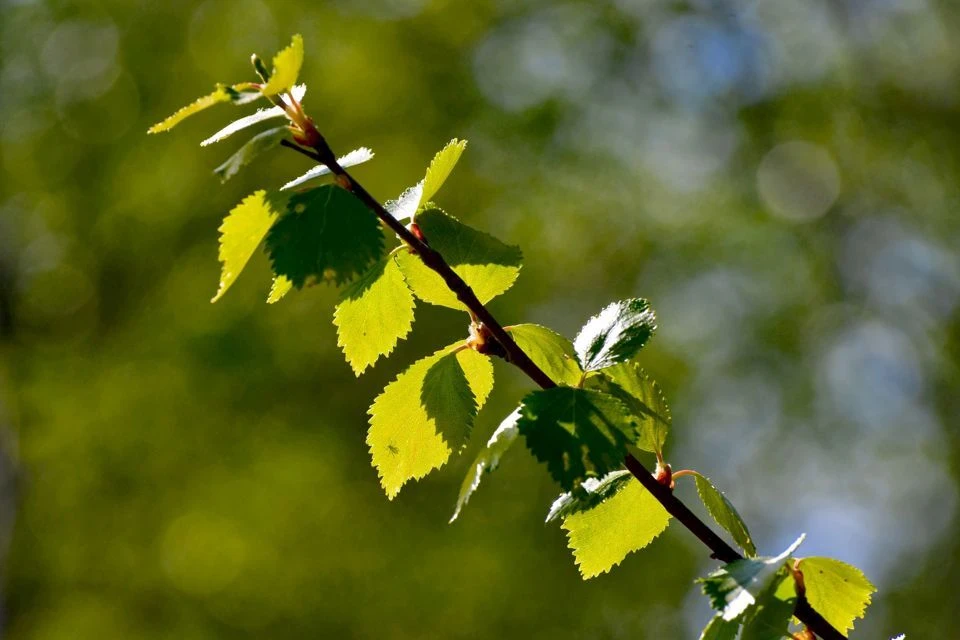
(603, 405)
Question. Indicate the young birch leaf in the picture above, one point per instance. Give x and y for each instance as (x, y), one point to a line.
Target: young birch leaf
(550, 351)
(488, 459)
(219, 95)
(407, 204)
(440, 168)
(408, 417)
(489, 266)
(241, 233)
(286, 67)
(257, 117)
(591, 493)
(577, 433)
(355, 157)
(628, 382)
(373, 314)
(836, 590)
(263, 141)
(615, 334)
(281, 286)
(724, 514)
(769, 618)
(735, 586)
(625, 522)
(326, 234)
(720, 629)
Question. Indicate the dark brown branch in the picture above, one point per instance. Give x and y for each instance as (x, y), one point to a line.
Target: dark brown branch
(514, 354)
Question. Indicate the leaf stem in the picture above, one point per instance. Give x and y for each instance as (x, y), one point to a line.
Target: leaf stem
(320, 152)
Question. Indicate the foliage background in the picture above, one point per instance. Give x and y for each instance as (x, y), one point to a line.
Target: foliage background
(779, 178)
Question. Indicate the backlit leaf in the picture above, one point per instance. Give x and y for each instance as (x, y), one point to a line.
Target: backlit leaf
(241, 233)
(286, 67)
(263, 141)
(281, 286)
(550, 351)
(836, 590)
(628, 382)
(407, 204)
(355, 157)
(373, 314)
(326, 234)
(257, 117)
(615, 334)
(440, 168)
(724, 513)
(489, 266)
(219, 95)
(602, 537)
(592, 492)
(488, 459)
(769, 618)
(720, 629)
(577, 433)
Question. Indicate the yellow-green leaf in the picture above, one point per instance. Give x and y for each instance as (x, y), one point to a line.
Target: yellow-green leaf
(281, 286)
(836, 590)
(219, 95)
(241, 233)
(603, 536)
(642, 394)
(550, 351)
(286, 67)
(725, 514)
(440, 168)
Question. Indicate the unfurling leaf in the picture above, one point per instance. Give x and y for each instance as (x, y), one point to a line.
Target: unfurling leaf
(735, 586)
(591, 493)
(720, 629)
(577, 433)
(836, 590)
(488, 459)
(724, 513)
(489, 266)
(373, 314)
(626, 521)
(242, 232)
(286, 67)
(628, 382)
(769, 618)
(355, 157)
(219, 95)
(257, 117)
(410, 201)
(263, 141)
(550, 351)
(410, 419)
(326, 234)
(615, 334)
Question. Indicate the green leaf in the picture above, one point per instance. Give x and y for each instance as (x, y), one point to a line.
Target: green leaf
(219, 95)
(625, 522)
(550, 351)
(263, 141)
(489, 266)
(735, 586)
(836, 590)
(241, 233)
(260, 115)
(281, 286)
(440, 168)
(286, 67)
(628, 382)
(374, 313)
(724, 513)
(355, 157)
(588, 495)
(578, 433)
(769, 618)
(488, 459)
(720, 629)
(326, 234)
(615, 334)
(408, 417)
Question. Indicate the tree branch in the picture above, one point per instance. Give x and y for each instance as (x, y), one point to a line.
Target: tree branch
(719, 549)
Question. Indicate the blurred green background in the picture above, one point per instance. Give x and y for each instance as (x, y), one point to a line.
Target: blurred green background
(780, 178)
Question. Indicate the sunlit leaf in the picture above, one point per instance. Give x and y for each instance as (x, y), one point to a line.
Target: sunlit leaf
(286, 67)
(769, 618)
(720, 629)
(242, 232)
(489, 266)
(724, 513)
(408, 418)
(219, 95)
(407, 204)
(281, 286)
(592, 492)
(615, 334)
(628, 382)
(326, 234)
(735, 586)
(836, 590)
(577, 433)
(355, 157)
(488, 459)
(263, 141)
(259, 116)
(549, 350)
(440, 168)
(626, 521)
